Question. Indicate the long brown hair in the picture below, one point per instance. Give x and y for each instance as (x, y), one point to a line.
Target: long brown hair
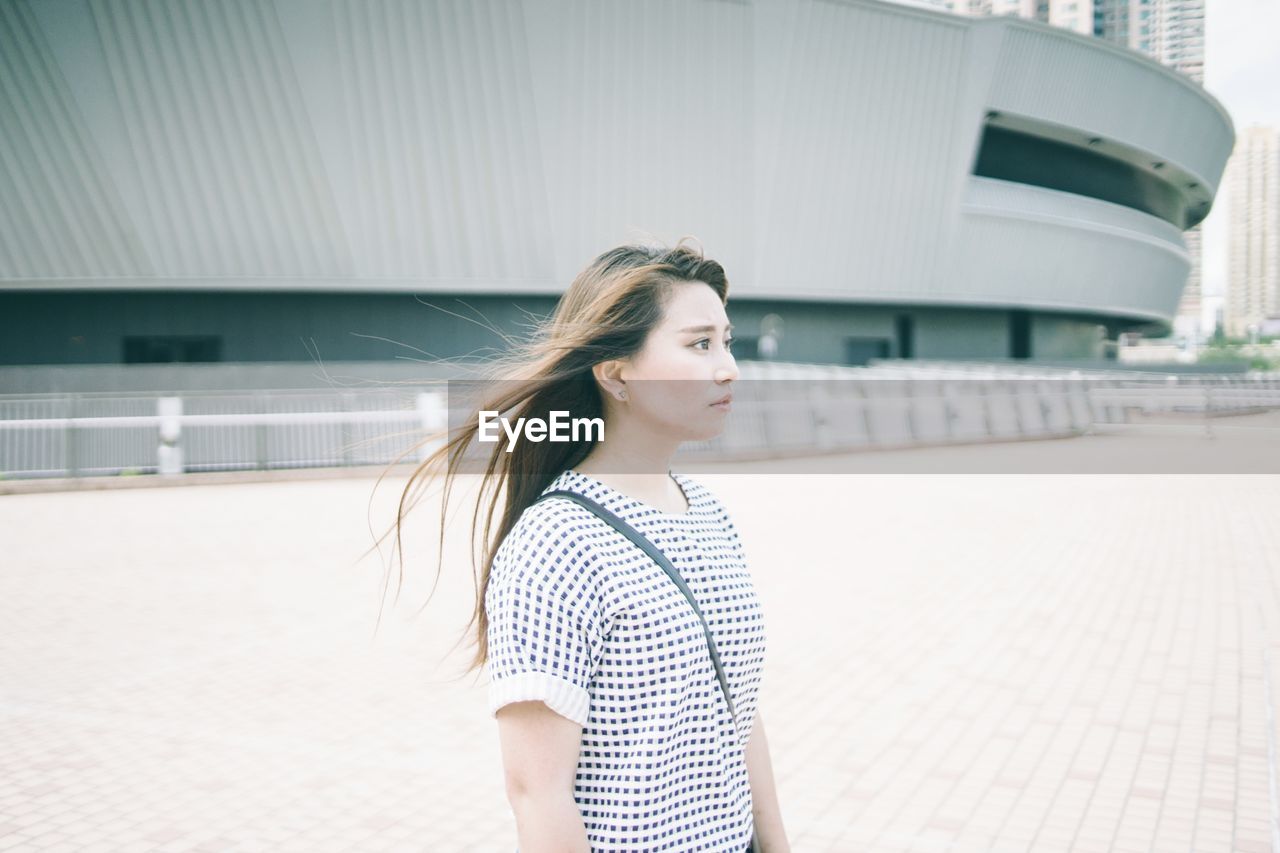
(607, 313)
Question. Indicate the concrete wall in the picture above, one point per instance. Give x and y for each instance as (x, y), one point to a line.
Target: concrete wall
(958, 334)
(89, 327)
(1054, 336)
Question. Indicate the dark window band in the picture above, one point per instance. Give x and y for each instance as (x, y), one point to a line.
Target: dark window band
(1011, 155)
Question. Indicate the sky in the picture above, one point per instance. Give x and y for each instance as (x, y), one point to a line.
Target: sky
(1242, 70)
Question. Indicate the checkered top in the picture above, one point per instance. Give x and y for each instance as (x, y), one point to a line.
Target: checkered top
(582, 619)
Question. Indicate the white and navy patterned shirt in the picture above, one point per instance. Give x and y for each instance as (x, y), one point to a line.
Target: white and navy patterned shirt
(582, 619)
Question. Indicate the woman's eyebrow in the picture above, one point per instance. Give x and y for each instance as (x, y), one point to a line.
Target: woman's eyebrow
(728, 328)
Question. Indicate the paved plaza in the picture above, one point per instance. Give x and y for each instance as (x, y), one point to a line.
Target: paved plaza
(956, 662)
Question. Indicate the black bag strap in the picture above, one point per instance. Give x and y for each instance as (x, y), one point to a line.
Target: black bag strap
(648, 547)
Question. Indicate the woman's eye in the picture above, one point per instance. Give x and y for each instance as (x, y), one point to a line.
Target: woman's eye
(707, 341)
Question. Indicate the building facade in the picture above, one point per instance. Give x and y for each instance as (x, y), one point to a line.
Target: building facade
(1253, 277)
(1170, 32)
(287, 180)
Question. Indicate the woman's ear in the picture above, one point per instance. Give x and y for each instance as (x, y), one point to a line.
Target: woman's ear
(609, 375)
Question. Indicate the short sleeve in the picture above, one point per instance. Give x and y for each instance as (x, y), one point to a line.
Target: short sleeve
(545, 636)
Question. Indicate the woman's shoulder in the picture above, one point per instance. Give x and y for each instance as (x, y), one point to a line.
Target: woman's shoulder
(548, 535)
(550, 548)
(557, 517)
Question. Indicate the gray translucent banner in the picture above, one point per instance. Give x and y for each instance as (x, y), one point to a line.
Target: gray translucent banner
(1184, 425)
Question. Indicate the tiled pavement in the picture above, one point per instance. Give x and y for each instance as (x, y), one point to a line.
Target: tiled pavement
(955, 663)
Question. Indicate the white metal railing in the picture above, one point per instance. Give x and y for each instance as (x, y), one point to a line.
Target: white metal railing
(93, 434)
(779, 409)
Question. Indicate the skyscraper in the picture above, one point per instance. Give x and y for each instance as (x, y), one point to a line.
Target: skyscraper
(1169, 31)
(1253, 278)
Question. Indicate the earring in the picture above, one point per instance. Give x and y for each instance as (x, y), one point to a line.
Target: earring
(622, 395)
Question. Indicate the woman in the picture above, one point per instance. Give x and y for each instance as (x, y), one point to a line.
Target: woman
(614, 728)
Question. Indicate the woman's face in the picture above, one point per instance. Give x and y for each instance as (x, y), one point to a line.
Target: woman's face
(683, 368)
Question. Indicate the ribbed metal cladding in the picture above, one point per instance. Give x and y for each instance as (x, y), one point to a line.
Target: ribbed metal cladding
(229, 181)
(821, 149)
(646, 124)
(60, 214)
(867, 151)
(1114, 93)
(446, 170)
(1044, 248)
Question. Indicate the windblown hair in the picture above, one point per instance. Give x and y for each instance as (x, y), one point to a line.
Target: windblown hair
(607, 313)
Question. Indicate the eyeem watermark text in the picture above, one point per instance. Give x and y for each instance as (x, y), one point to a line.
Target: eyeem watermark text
(537, 429)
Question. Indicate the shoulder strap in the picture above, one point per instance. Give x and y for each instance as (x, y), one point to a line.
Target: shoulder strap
(648, 547)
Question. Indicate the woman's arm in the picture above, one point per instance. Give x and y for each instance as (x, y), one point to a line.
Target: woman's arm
(764, 796)
(540, 759)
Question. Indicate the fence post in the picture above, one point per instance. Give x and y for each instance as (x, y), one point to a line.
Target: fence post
(1043, 392)
(1208, 408)
(988, 421)
(260, 430)
(347, 428)
(1016, 396)
(909, 395)
(169, 452)
(819, 411)
(433, 416)
(868, 420)
(949, 413)
(69, 437)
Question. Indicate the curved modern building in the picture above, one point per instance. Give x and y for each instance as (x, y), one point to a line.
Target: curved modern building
(256, 180)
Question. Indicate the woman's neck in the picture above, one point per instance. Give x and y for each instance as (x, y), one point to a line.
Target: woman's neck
(647, 480)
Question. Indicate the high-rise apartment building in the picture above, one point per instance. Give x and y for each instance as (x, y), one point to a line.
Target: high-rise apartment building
(1253, 277)
(1169, 31)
